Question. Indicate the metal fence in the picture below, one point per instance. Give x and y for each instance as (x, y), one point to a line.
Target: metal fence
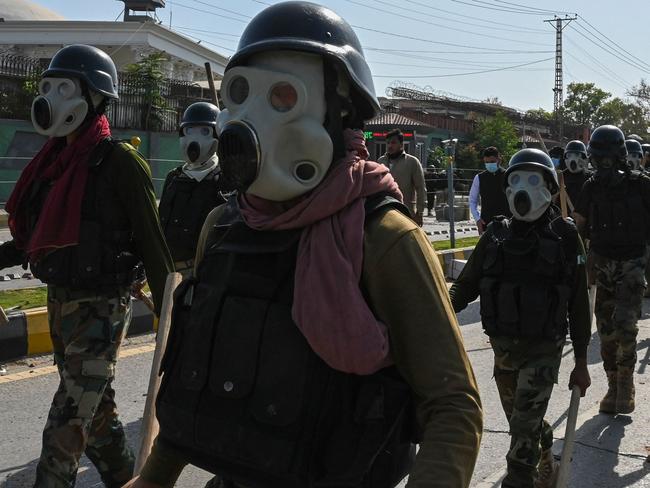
(144, 104)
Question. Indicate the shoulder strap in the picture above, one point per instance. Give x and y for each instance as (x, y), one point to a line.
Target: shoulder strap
(100, 152)
(380, 201)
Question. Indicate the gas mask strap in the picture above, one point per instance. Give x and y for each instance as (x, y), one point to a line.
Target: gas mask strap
(333, 120)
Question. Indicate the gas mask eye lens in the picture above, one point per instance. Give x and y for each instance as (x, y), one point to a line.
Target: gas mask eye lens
(283, 97)
(45, 87)
(205, 131)
(238, 90)
(65, 89)
(533, 180)
(514, 179)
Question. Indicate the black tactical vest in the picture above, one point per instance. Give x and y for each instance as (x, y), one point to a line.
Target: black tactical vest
(574, 183)
(245, 397)
(527, 279)
(104, 256)
(618, 220)
(493, 196)
(184, 205)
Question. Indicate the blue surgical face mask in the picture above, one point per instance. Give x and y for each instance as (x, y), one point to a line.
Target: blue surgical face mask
(492, 167)
(556, 162)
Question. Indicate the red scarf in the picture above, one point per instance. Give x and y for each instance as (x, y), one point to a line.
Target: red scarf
(65, 167)
(328, 306)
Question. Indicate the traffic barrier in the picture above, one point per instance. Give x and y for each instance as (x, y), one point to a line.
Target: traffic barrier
(28, 332)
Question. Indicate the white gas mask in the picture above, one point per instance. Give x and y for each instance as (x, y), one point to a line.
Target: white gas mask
(272, 142)
(576, 162)
(528, 194)
(198, 145)
(60, 108)
(634, 160)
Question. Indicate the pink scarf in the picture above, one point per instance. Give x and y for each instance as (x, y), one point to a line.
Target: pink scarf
(328, 305)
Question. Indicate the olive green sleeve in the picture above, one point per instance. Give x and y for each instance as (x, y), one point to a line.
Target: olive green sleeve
(466, 288)
(164, 464)
(135, 190)
(579, 309)
(407, 291)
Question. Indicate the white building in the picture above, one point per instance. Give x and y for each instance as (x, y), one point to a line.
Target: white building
(27, 29)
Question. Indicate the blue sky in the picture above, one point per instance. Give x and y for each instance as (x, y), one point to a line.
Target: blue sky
(437, 38)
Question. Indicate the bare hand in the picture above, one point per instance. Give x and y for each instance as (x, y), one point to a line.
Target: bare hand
(480, 225)
(418, 218)
(580, 377)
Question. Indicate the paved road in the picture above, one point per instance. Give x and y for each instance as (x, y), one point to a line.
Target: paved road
(610, 452)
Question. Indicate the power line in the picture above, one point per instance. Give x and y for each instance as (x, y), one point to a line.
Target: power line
(473, 24)
(429, 67)
(211, 36)
(441, 26)
(496, 8)
(429, 41)
(535, 8)
(487, 53)
(591, 68)
(613, 42)
(467, 74)
(207, 31)
(444, 60)
(607, 72)
(489, 21)
(175, 3)
(599, 44)
(200, 2)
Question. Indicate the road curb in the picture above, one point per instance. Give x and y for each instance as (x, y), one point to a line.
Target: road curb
(28, 332)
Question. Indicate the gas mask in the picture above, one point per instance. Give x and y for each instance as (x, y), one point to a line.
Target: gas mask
(198, 145)
(576, 162)
(634, 160)
(60, 108)
(528, 195)
(272, 142)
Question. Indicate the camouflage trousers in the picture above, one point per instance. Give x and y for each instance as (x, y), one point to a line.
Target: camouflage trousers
(86, 332)
(525, 371)
(618, 305)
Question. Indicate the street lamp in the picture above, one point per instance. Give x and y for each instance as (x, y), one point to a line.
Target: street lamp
(450, 150)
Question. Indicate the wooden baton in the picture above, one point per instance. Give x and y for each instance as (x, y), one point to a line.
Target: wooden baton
(213, 89)
(149, 423)
(569, 437)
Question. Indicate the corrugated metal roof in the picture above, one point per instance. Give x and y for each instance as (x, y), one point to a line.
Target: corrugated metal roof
(392, 118)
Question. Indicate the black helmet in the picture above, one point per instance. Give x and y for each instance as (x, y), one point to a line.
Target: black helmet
(200, 113)
(533, 159)
(634, 147)
(635, 137)
(556, 152)
(311, 28)
(88, 63)
(645, 147)
(607, 141)
(576, 147)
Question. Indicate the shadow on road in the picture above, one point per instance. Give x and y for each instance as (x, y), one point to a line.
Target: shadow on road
(87, 477)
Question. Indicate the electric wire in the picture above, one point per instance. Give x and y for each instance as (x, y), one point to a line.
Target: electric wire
(177, 4)
(496, 9)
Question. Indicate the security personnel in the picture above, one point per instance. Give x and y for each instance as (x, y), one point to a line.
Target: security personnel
(576, 171)
(646, 158)
(487, 187)
(529, 271)
(83, 216)
(634, 154)
(193, 189)
(318, 308)
(613, 213)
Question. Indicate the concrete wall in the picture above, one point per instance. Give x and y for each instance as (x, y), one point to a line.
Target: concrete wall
(19, 143)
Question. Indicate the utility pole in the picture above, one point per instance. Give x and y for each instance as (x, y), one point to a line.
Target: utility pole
(560, 24)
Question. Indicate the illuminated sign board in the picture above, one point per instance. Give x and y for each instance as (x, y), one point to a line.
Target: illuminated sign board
(369, 135)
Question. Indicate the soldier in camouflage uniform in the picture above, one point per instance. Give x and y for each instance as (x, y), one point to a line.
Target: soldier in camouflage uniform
(529, 271)
(613, 211)
(83, 215)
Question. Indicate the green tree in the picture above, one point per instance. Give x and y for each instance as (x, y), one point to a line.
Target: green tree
(539, 114)
(437, 157)
(583, 102)
(147, 75)
(500, 132)
(629, 117)
(468, 157)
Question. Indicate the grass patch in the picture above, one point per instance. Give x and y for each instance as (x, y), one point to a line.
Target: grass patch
(24, 297)
(462, 242)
